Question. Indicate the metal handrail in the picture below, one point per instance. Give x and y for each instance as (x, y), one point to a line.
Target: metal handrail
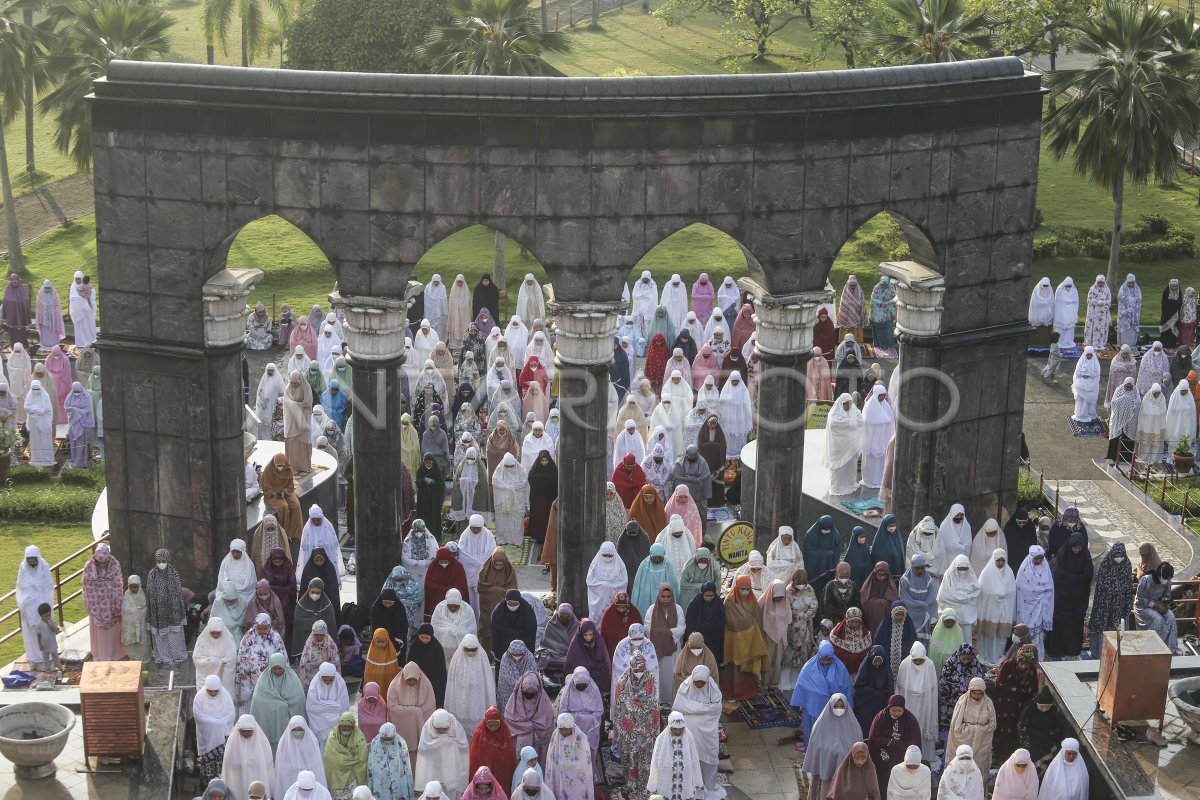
(59, 582)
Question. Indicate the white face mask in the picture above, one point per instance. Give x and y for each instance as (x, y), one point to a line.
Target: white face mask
(1016, 639)
(162, 565)
(837, 712)
(298, 735)
(1119, 559)
(639, 672)
(696, 650)
(315, 595)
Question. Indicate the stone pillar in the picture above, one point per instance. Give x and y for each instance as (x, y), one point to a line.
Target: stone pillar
(584, 350)
(919, 393)
(784, 347)
(225, 310)
(375, 328)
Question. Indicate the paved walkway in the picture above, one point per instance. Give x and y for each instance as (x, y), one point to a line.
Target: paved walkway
(50, 206)
(1114, 515)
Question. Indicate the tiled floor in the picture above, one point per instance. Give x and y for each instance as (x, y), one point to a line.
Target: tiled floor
(75, 779)
(763, 768)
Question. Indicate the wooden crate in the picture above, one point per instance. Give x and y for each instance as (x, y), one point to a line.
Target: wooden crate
(113, 708)
(1134, 686)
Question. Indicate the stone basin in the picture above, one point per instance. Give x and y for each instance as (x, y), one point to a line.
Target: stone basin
(1185, 694)
(33, 734)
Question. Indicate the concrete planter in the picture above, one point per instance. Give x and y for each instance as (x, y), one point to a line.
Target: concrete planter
(32, 735)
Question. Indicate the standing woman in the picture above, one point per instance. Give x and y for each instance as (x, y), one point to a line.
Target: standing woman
(843, 443)
(1072, 571)
(802, 602)
(635, 722)
(664, 626)
(852, 310)
(103, 591)
(1099, 315)
(997, 607)
(745, 649)
(834, 733)
(883, 314)
(957, 673)
(1112, 601)
(855, 778)
(431, 491)
(1016, 685)
(879, 425)
(164, 595)
(543, 491)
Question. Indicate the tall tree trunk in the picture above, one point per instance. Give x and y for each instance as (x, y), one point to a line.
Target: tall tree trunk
(30, 165)
(245, 54)
(595, 13)
(1053, 66)
(545, 17)
(498, 271)
(1114, 251)
(211, 53)
(646, 6)
(16, 259)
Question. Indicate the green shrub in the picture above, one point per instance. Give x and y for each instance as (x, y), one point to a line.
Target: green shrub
(47, 504)
(1152, 238)
(1029, 492)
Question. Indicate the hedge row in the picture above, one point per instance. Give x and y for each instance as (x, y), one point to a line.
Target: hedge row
(1152, 238)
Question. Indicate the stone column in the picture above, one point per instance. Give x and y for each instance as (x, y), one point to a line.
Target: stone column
(918, 392)
(225, 311)
(375, 329)
(584, 350)
(784, 347)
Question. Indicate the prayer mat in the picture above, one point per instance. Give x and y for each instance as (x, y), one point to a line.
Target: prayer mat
(518, 554)
(610, 768)
(1070, 351)
(770, 710)
(1038, 351)
(864, 505)
(891, 354)
(1096, 429)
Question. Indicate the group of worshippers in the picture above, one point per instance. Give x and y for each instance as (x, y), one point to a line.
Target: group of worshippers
(38, 394)
(910, 628)
(454, 679)
(1153, 402)
(43, 313)
(1151, 395)
(1057, 310)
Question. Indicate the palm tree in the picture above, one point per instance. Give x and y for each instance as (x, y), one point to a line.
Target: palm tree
(1124, 113)
(19, 44)
(217, 15)
(930, 31)
(493, 37)
(94, 33)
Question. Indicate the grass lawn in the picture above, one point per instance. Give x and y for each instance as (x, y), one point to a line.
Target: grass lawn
(636, 43)
(56, 543)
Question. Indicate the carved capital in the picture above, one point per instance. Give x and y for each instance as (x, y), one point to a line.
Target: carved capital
(375, 327)
(225, 308)
(584, 331)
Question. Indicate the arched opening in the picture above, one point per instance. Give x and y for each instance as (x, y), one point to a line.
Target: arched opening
(293, 290)
(884, 237)
(295, 270)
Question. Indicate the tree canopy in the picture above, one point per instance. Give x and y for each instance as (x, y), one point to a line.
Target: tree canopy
(363, 35)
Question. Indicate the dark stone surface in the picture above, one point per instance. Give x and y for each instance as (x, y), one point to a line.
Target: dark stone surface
(586, 173)
(377, 497)
(582, 474)
(779, 478)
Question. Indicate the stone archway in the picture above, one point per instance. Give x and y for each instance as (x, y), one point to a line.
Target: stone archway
(588, 173)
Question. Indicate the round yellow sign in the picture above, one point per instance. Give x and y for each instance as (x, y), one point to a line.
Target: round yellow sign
(735, 543)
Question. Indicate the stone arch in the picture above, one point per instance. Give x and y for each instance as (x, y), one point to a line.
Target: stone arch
(589, 173)
(751, 266)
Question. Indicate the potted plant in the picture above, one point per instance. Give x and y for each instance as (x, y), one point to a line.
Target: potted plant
(9, 442)
(1183, 456)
